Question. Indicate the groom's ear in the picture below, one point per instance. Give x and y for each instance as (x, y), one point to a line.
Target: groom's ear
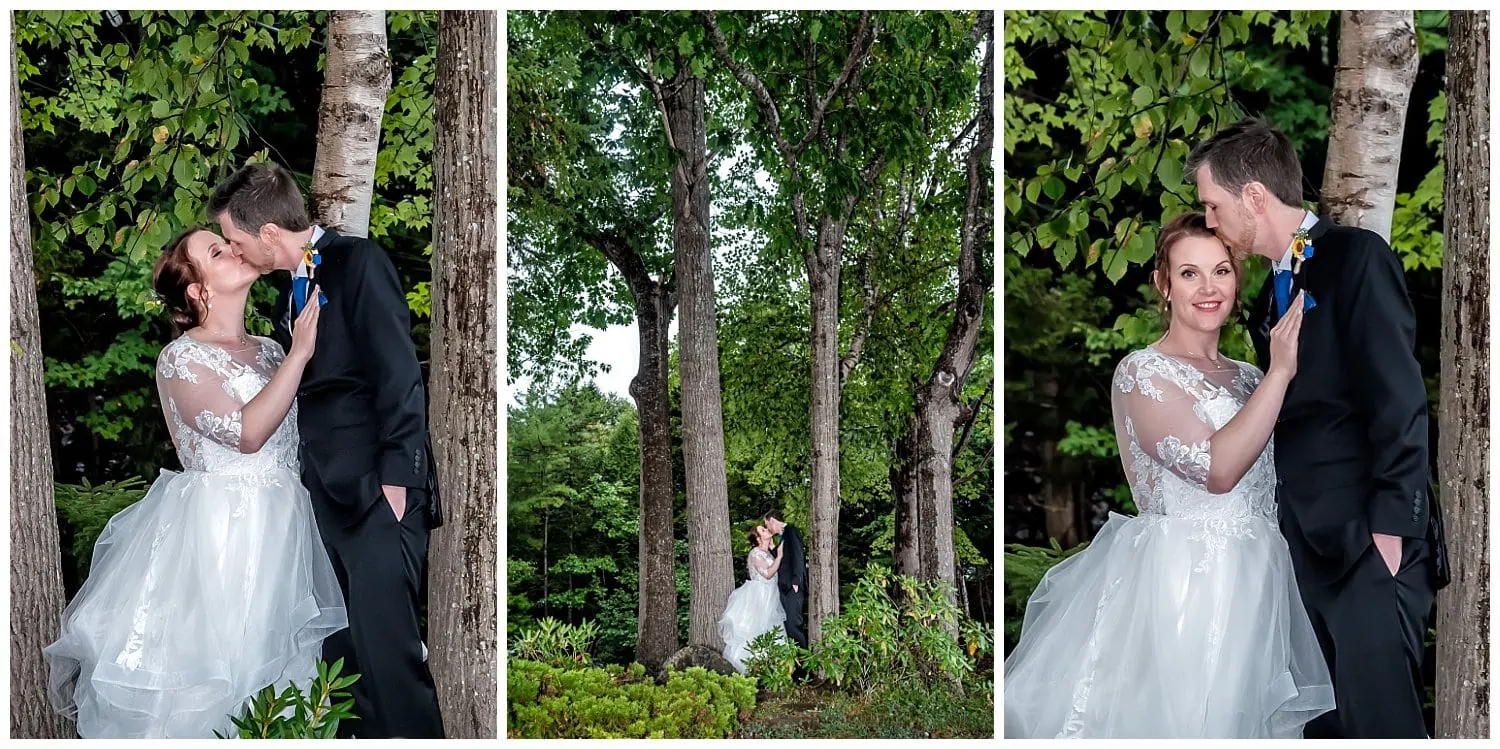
(270, 234)
(1256, 196)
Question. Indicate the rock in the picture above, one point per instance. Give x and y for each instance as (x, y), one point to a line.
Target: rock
(698, 655)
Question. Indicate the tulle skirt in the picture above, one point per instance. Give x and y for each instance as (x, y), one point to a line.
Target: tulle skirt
(210, 588)
(1168, 628)
(753, 610)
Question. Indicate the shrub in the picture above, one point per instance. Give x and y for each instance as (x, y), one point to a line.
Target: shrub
(773, 662)
(1024, 568)
(545, 701)
(84, 510)
(918, 636)
(295, 714)
(557, 644)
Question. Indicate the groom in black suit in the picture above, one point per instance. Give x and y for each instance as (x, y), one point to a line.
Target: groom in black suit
(1365, 534)
(366, 459)
(792, 577)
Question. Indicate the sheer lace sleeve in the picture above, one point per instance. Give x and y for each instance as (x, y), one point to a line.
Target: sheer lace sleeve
(1156, 412)
(194, 384)
(760, 564)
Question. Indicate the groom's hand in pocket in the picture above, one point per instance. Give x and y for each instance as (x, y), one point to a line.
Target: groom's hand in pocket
(396, 496)
(1390, 550)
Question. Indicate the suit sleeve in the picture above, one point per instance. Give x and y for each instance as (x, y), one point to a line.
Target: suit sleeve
(382, 331)
(1379, 330)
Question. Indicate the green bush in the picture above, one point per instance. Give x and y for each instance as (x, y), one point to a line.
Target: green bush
(773, 662)
(295, 714)
(85, 508)
(544, 701)
(557, 644)
(918, 635)
(1024, 568)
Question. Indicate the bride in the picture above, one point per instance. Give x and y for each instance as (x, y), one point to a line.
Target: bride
(1184, 621)
(755, 607)
(216, 583)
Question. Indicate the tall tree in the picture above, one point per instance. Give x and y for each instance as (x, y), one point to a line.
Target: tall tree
(356, 80)
(564, 69)
(710, 558)
(465, 243)
(925, 512)
(36, 585)
(834, 195)
(1463, 626)
(1371, 90)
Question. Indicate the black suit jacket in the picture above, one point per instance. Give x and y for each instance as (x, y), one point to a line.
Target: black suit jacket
(793, 570)
(362, 404)
(1352, 438)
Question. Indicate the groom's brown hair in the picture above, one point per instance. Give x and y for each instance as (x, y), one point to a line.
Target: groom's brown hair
(772, 515)
(1250, 150)
(260, 194)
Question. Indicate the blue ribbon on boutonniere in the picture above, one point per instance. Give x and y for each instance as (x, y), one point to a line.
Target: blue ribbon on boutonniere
(1302, 249)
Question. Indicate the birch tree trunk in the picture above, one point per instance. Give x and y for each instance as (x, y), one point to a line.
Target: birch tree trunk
(710, 555)
(1463, 664)
(36, 586)
(1371, 89)
(356, 80)
(465, 245)
(938, 407)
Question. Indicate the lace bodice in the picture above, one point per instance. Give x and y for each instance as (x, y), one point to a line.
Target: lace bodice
(1166, 411)
(203, 386)
(758, 563)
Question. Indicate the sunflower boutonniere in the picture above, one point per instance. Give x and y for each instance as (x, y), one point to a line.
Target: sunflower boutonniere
(1302, 249)
(311, 258)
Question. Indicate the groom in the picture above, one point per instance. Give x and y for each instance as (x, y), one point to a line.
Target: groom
(1366, 539)
(365, 450)
(792, 577)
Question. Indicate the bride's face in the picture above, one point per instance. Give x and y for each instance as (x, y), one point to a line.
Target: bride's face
(223, 271)
(763, 535)
(1202, 283)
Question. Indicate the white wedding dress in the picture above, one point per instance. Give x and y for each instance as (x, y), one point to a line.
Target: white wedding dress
(213, 586)
(1183, 622)
(753, 610)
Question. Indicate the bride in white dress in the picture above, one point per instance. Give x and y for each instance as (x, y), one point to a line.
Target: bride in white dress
(755, 607)
(1185, 621)
(216, 583)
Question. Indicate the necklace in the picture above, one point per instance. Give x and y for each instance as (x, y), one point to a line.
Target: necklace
(239, 338)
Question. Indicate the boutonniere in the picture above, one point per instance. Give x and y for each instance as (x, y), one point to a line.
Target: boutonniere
(1302, 249)
(311, 259)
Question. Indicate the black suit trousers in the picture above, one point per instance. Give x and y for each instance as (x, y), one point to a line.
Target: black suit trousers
(381, 563)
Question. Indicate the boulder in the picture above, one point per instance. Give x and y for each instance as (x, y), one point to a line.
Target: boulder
(698, 655)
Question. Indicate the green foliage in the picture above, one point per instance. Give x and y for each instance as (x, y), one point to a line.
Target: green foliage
(297, 714)
(898, 629)
(556, 644)
(774, 661)
(546, 702)
(84, 509)
(1024, 568)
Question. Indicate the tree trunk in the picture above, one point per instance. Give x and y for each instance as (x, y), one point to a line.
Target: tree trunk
(906, 508)
(1463, 666)
(656, 621)
(465, 245)
(710, 555)
(938, 406)
(356, 80)
(823, 515)
(36, 586)
(1371, 89)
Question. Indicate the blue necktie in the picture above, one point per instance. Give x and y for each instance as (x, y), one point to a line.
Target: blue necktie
(299, 295)
(1282, 279)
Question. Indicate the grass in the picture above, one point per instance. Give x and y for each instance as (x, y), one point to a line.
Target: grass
(895, 713)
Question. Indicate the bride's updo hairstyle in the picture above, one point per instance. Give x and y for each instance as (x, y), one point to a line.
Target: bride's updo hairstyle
(753, 536)
(173, 274)
(1184, 226)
